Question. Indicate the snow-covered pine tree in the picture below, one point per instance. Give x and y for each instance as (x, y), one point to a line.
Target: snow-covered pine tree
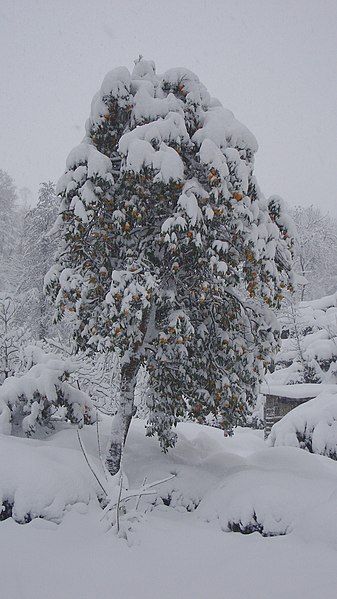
(169, 251)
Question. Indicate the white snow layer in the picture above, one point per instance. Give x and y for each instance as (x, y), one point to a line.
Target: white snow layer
(224, 130)
(158, 119)
(92, 164)
(115, 84)
(175, 553)
(232, 480)
(302, 391)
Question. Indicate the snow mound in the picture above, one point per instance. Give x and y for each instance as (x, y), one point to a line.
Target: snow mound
(311, 426)
(233, 484)
(302, 563)
(38, 480)
(270, 493)
(44, 478)
(197, 462)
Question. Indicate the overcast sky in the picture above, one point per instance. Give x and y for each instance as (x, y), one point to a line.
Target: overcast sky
(272, 62)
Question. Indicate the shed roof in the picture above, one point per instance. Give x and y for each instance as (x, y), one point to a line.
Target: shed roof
(300, 391)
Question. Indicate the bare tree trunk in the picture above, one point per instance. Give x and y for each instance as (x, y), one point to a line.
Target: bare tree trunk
(122, 419)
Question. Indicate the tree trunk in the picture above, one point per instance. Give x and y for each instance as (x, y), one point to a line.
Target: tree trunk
(122, 419)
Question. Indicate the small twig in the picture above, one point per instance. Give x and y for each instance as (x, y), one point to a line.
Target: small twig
(136, 493)
(140, 495)
(159, 482)
(87, 461)
(144, 490)
(119, 499)
(98, 439)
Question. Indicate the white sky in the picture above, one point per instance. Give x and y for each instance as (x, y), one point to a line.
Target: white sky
(272, 62)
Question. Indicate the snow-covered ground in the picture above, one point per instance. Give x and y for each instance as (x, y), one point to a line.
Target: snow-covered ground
(181, 547)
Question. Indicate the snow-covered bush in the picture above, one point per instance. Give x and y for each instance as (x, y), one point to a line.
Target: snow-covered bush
(315, 252)
(169, 250)
(309, 352)
(29, 402)
(311, 426)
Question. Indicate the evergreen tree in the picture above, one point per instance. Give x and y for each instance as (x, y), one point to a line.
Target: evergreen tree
(8, 224)
(38, 248)
(169, 251)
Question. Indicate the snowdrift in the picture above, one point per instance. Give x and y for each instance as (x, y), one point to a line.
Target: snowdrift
(233, 484)
(221, 484)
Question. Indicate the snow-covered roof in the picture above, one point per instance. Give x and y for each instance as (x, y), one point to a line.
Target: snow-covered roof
(303, 391)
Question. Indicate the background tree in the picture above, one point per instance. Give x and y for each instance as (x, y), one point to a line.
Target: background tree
(8, 224)
(308, 352)
(38, 248)
(13, 333)
(315, 252)
(169, 251)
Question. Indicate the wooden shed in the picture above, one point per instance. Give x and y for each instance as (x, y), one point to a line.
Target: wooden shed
(280, 399)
